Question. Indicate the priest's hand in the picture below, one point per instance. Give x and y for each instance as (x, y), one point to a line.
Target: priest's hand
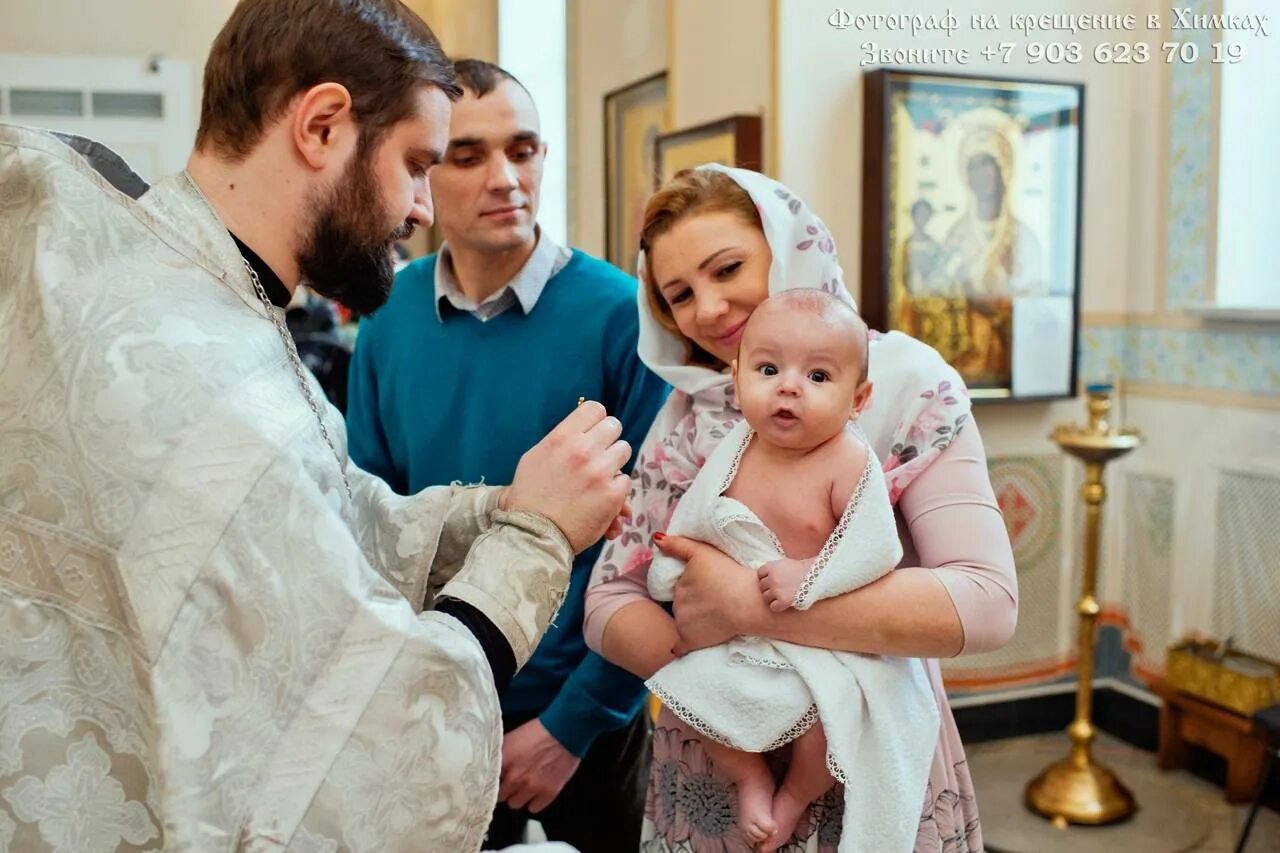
(715, 596)
(573, 476)
(535, 767)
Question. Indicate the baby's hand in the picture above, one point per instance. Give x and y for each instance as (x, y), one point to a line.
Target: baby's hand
(780, 580)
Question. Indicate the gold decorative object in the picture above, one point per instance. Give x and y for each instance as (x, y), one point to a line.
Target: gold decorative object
(1219, 674)
(1078, 789)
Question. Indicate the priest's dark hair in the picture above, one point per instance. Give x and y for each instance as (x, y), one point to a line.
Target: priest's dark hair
(269, 51)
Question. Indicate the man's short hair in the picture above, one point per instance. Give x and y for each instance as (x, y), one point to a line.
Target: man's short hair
(271, 50)
(480, 77)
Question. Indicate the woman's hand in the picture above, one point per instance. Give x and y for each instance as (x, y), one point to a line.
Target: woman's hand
(716, 599)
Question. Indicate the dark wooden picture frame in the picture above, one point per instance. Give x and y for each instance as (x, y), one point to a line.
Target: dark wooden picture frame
(635, 115)
(995, 287)
(735, 140)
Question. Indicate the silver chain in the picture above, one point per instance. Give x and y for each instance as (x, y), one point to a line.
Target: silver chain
(290, 348)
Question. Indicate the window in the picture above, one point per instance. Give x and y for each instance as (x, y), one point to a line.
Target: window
(531, 45)
(1248, 276)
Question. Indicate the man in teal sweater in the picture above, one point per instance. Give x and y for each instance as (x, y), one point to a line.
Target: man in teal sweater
(481, 349)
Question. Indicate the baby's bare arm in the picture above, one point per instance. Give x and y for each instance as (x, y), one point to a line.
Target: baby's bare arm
(844, 459)
(847, 462)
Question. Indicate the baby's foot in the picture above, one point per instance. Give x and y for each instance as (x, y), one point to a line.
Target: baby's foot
(755, 804)
(787, 807)
(780, 580)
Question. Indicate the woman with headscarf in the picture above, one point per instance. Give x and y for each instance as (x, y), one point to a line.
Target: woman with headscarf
(716, 243)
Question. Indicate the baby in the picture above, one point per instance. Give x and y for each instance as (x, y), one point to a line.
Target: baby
(781, 494)
(800, 381)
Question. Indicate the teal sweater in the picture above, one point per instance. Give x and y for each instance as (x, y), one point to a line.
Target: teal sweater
(433, 401)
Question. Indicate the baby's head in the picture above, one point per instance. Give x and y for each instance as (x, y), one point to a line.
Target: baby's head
(801, 371)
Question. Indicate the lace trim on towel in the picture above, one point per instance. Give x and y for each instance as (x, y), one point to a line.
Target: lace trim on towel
(744, 659)
(724, 521)
(803, 591)
(834, 769)
(799, 727)
(728, 481)
(737, 460)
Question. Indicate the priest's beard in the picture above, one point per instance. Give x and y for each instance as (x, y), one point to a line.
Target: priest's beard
(346, 256)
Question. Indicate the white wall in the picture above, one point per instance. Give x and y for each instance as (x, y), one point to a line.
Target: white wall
(154, 144)
(720, 60)
(121, 28)
(466, 28)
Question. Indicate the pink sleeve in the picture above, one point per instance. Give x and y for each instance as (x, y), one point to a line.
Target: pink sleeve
(607, 598)
(657, 482)
(958, 531)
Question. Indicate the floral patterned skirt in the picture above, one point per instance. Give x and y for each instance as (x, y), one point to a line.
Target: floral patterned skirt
(689, 808)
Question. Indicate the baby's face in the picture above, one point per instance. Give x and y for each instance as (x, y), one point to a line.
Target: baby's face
(797, 378)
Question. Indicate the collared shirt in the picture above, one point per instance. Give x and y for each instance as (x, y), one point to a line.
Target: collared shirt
(548, 258)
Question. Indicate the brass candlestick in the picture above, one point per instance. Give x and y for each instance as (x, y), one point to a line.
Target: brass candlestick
(1078, 789)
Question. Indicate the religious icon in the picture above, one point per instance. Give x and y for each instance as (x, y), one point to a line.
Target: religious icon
(732, 141)
(634, 117)
(971, 224)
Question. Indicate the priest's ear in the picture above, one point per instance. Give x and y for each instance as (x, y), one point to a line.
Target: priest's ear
(323, 127)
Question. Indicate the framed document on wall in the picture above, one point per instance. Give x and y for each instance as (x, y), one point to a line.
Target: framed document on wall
(634, 117)
(731, 141)
(971, 224)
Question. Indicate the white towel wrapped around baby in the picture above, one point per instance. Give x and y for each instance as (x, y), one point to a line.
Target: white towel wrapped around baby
(879, 713)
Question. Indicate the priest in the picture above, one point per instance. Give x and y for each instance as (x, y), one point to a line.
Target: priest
(215, 632)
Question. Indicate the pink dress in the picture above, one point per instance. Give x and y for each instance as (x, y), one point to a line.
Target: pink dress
(949, 521)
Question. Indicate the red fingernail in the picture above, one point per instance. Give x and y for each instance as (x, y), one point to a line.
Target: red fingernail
(658, 537)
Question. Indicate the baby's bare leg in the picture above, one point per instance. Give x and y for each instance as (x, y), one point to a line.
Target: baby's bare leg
(780, 580)
(750, 773)
(807, 779)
